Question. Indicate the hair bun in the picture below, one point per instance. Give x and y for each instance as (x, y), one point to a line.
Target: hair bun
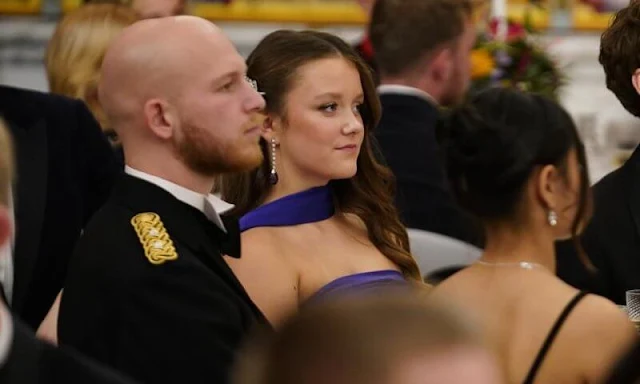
(482, 153)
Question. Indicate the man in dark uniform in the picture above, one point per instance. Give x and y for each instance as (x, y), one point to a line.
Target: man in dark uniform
(148, 291)
(23, 358)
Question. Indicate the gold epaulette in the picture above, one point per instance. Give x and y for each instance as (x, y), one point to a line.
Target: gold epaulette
(154, 238)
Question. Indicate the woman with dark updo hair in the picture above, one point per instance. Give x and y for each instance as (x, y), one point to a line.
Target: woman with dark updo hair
(516, 162)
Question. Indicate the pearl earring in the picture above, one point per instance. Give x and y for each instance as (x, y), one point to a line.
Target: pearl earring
(552, 218)
(273, 176)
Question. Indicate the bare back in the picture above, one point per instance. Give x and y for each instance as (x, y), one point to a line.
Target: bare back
(518, 308)
(282, 267)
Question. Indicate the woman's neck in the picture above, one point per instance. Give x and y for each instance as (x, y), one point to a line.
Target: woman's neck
(507, 245)
(289, 185)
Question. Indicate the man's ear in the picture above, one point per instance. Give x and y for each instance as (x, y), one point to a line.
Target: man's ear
(442, 64)
(160, 118)
(6, 228)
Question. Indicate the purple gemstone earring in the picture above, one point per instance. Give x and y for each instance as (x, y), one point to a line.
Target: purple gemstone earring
(273, 176)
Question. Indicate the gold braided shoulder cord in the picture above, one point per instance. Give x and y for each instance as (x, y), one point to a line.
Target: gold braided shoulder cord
(157, 245)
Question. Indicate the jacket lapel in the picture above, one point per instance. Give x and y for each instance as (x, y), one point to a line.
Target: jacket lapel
(214, 246)
(30, 202)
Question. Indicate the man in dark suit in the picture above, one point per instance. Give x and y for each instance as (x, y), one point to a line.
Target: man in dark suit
(28, 360)
(23, 359)
(422, 51)
(66, 169)
(612, 239)
(148, 291)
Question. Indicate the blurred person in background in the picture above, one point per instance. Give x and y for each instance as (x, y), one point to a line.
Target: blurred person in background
(150, 9)
(67, 169)
(74, 54)
(516, 162)
(422, 50)
(386, 339)
(364, 46)
(612, 239)
(317, 217)
(23, 359)
(73, 61)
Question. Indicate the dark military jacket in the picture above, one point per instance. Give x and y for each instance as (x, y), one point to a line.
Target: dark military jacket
(149, 293)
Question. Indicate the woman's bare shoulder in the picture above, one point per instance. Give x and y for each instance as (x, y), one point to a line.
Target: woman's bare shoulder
(597, 312)
(260, 241)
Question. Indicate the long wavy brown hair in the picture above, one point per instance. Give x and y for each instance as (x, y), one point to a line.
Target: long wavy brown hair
(369, 194)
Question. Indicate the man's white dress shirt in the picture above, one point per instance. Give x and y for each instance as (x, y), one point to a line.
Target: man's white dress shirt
(211, 205)
(397, 89)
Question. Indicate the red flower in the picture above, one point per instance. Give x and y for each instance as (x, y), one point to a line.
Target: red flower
(515, 31)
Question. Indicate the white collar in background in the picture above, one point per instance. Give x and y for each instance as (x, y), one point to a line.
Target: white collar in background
(188, 196)
(406, 90)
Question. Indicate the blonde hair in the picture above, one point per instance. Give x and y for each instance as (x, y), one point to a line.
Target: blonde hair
(76, 50)
(6, 163)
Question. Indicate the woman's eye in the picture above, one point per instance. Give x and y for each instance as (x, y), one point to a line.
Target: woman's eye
(329, 107)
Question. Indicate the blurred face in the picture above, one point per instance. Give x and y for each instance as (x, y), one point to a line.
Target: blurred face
(320, 138)
(219, 113)
(459, 365)
(149, 9)
(458, 83)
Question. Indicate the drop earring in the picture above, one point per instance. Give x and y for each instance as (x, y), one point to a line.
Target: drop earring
(273, 176)
(552, 218)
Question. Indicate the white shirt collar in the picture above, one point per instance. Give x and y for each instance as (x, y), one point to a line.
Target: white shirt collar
(6, 336)
(406, 90)
(187, 196)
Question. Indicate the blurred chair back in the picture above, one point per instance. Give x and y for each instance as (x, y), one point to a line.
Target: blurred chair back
(439, 256)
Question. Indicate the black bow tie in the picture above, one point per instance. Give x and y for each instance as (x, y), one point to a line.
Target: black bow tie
(229, 241)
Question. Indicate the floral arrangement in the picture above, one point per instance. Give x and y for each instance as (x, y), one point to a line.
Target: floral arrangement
(514, 60)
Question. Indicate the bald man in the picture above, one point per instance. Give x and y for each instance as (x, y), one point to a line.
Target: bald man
(148, 291)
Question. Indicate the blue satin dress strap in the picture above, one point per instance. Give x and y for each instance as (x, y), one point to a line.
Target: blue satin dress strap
(313, 205)
(310, 206)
